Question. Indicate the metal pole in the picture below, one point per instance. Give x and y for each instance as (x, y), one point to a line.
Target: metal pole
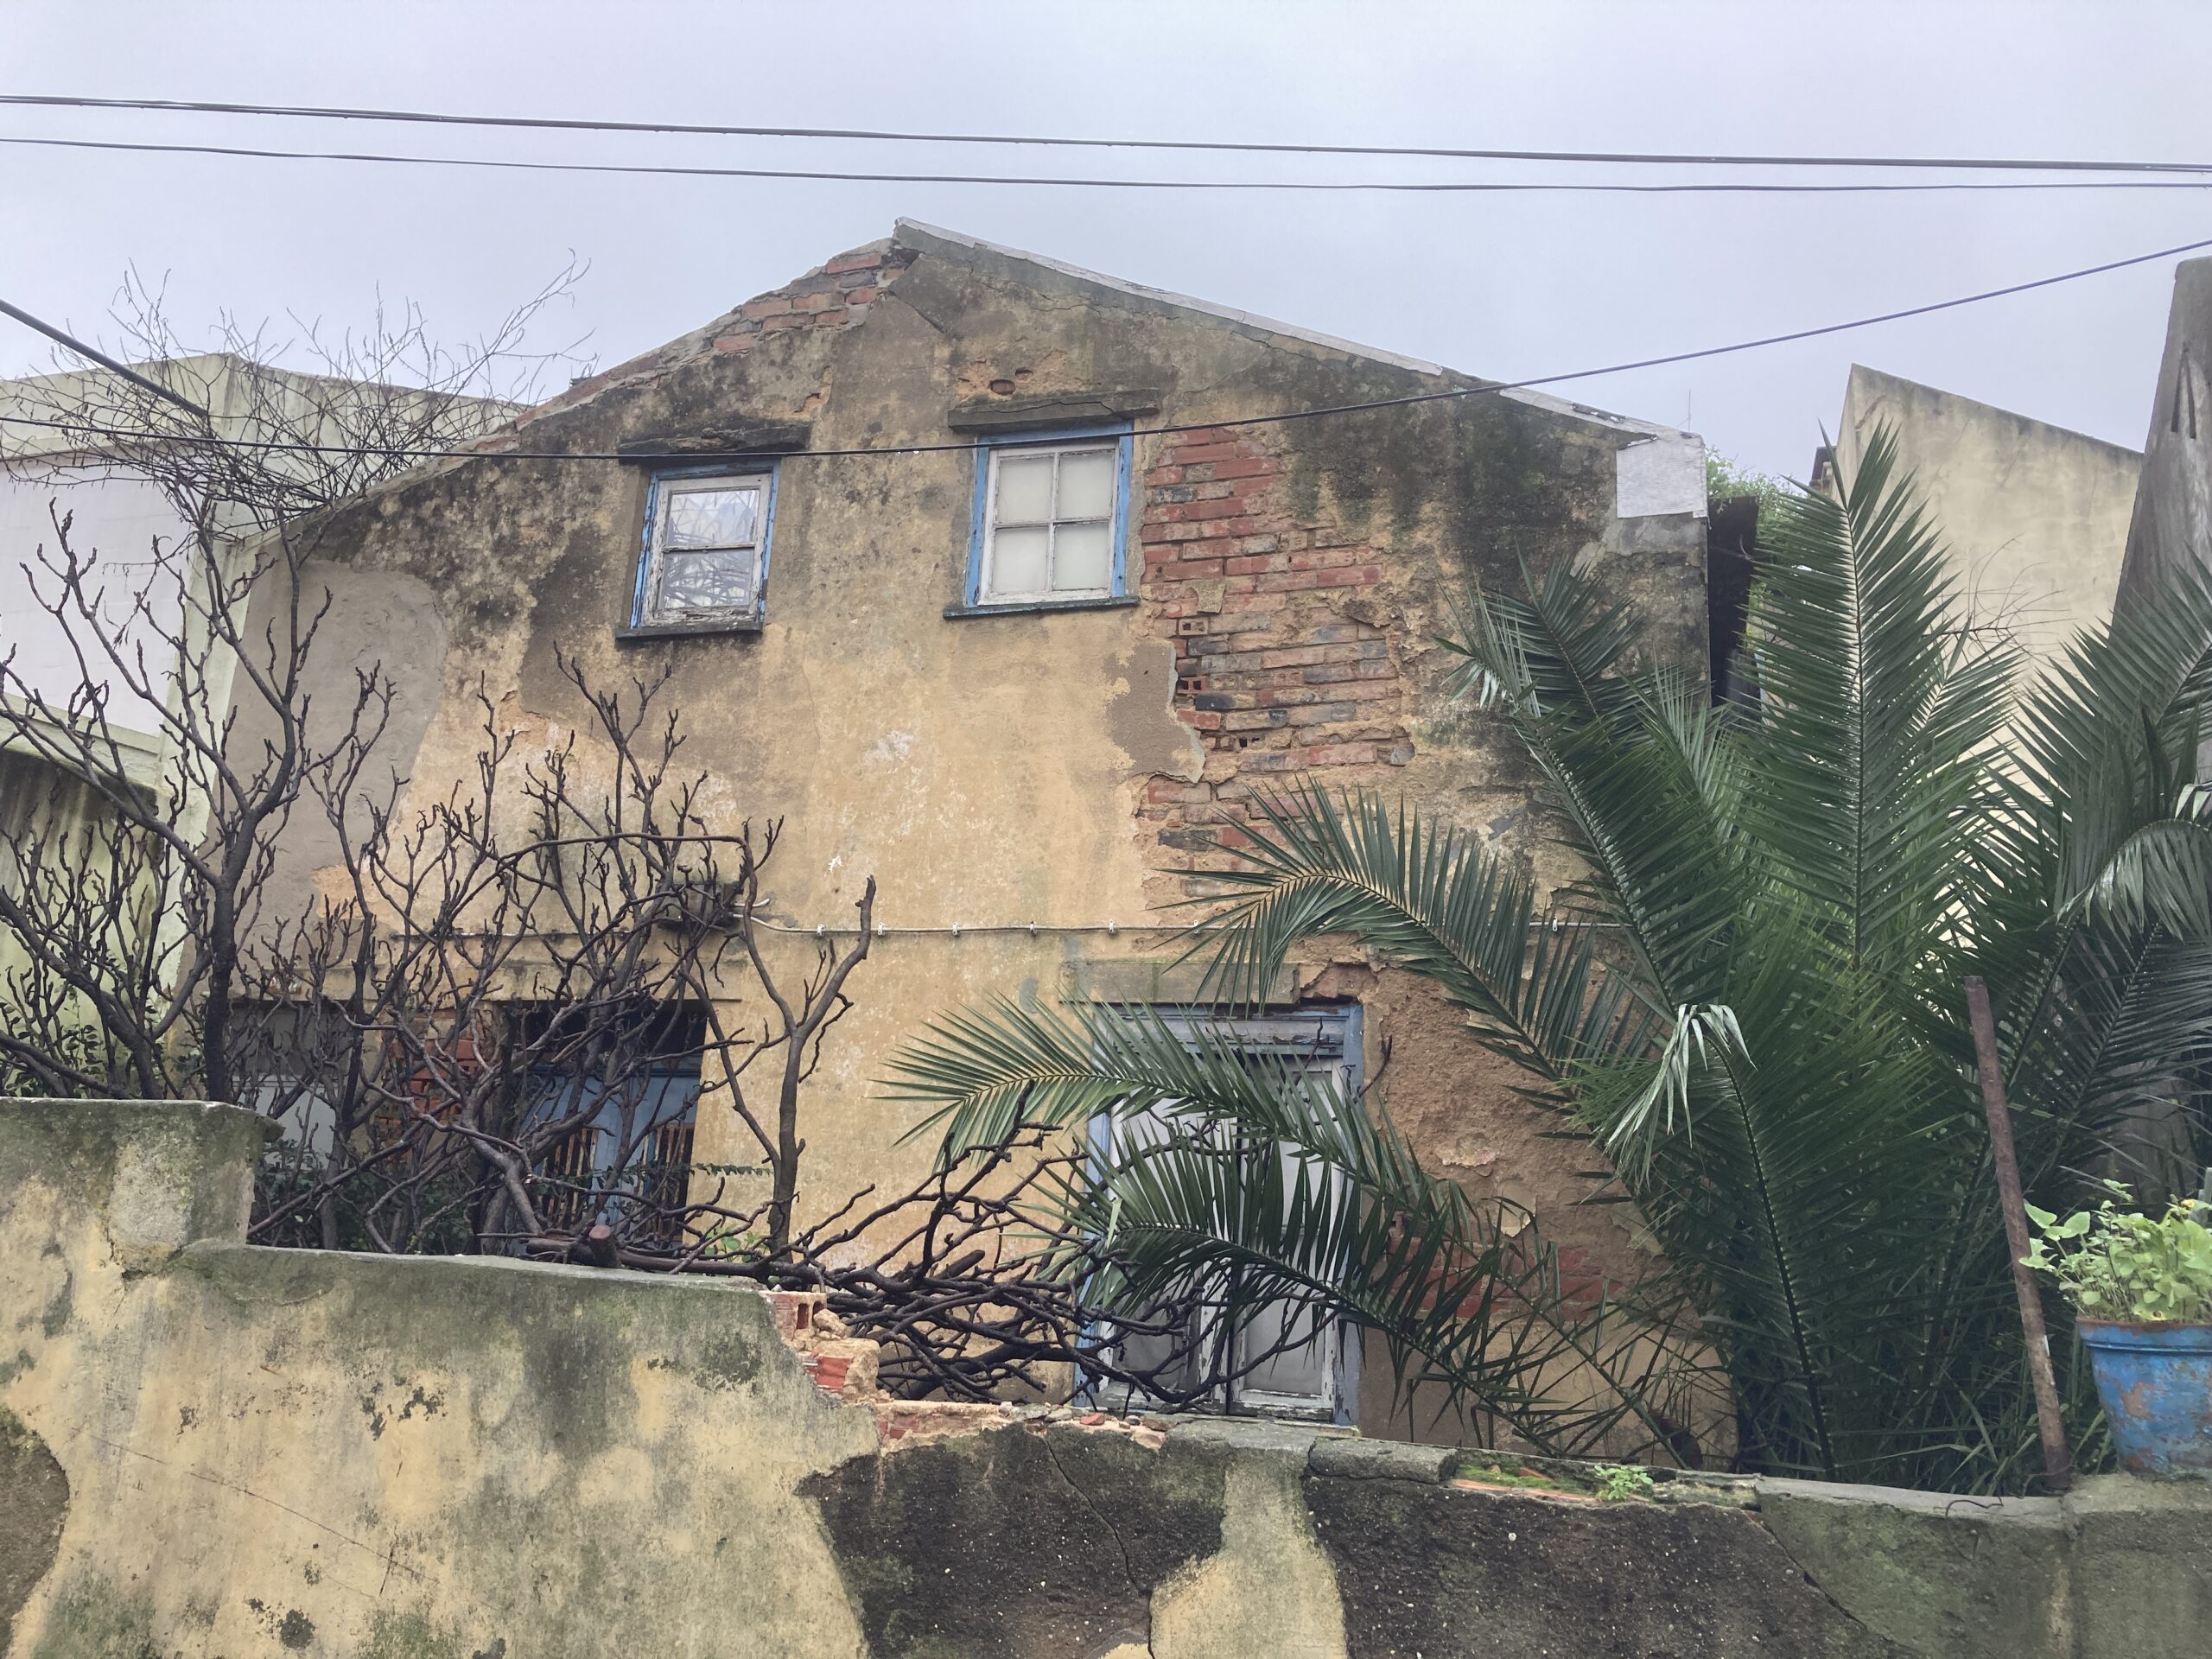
(2057, 1462)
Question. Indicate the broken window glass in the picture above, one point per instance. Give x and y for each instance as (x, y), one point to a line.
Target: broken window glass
(712, 518)
(708, 548)
(720, 581)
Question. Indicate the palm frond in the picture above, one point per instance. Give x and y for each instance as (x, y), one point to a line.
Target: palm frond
(1434, 901)
(1553, 655)
(1876, 704)
(1641, 775)
(1701, 1039)
(2161, 874)
(1257, 1168)
(1466, 1299)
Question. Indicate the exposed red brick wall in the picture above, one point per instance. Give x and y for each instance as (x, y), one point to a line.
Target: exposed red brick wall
(1280, 668)
(835, 296)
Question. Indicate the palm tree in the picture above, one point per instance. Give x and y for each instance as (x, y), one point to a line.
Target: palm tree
(1750, 999)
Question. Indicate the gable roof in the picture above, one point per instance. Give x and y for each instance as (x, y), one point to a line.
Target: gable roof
(960, 248)
(913, 232)
(934, 238)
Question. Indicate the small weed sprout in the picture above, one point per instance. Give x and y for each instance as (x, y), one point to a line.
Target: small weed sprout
(1619, 1483)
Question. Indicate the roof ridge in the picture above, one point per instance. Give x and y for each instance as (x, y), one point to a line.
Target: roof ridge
(905, 229)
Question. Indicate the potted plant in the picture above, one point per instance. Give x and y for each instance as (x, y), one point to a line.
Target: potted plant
(2141, 1287)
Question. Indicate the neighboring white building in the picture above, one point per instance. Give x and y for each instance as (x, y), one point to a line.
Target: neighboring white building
(119, 512)
(2035, 517)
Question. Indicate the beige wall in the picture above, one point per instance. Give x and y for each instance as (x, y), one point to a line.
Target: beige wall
(2172, 524)
(272, 1451)
(1069, 769)
(2035, 517)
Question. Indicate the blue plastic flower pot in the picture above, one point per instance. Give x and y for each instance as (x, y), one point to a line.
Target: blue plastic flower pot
(2156, 1384)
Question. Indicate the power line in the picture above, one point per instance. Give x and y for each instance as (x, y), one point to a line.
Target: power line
(1488, 388)
(1632, 158)
(95, 355)
(823, 176)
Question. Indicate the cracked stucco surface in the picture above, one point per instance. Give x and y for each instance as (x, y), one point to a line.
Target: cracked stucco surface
(272, 1451)
(250, 1451)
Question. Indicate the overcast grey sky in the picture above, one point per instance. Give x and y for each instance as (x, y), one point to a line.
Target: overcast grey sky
(1504, 286)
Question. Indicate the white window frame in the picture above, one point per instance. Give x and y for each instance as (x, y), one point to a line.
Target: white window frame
(666, 487)
(1110, 447)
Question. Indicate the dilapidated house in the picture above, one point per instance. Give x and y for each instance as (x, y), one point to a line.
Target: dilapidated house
(1009, 584)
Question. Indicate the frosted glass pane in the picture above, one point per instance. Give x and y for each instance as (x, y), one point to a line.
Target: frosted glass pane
(1081, 557)
(707, 581)
(1302, 1372)
(1086, 486)
(1025, 489)
(713, 517)
(1018, 561)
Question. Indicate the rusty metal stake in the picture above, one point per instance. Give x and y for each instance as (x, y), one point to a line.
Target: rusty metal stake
(2057, 1462)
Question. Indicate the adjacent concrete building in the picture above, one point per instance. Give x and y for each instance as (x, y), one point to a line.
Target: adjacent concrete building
(2172, 525)
(2035, 517)
(50, 475)
(969, 584)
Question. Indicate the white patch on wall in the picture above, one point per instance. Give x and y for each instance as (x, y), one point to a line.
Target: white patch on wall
(1659, 475)
(890, 748)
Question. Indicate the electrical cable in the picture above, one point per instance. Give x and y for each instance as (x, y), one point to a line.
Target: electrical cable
(828, 177)
(956, 930)
(94, 354)
(1488, 388)
(1627, 158)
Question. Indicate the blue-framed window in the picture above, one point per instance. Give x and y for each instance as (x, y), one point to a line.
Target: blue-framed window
(1052, 519)
(629, 1094)
(1289, 1359)
(705, 560)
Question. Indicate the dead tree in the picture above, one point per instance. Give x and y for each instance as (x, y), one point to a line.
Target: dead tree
(363, 405)
(499, 1020)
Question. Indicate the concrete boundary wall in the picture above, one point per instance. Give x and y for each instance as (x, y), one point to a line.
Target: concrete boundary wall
(208, 1449)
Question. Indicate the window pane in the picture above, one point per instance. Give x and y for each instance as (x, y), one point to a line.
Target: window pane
(707, 581)
(1025, 490)
(712, 518)
(1086, 486)
(1081, 557)
(1018, 561)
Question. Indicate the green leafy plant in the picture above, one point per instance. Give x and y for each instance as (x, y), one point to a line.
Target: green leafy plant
(1724, 478)
(1620, 1483)
(2117, 1263)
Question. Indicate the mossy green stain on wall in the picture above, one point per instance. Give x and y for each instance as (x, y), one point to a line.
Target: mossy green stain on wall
(410, 1635)
(96, 1618)
(33, 1505)
(1017, 1542)
(56, 1320)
